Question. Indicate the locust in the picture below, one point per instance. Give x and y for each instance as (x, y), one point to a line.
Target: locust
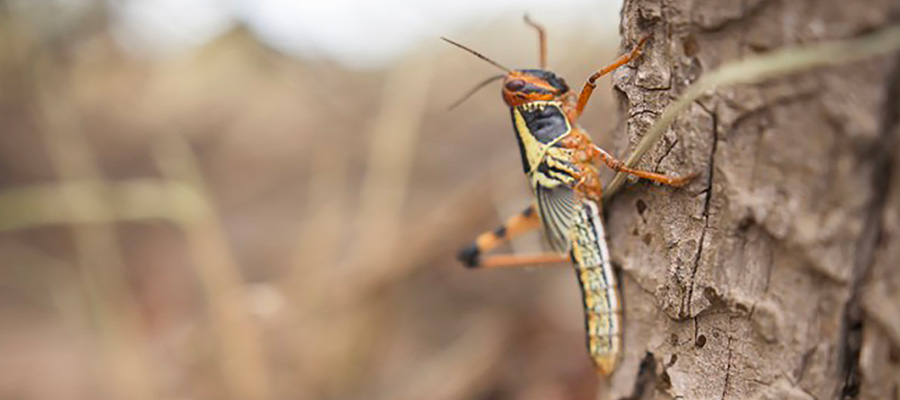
(561, 164)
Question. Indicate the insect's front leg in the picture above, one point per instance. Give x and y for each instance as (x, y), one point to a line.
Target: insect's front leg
(590, 85)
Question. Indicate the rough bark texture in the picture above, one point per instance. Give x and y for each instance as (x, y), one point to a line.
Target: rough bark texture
(775, 274)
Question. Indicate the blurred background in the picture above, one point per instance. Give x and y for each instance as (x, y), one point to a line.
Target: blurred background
(207, 199)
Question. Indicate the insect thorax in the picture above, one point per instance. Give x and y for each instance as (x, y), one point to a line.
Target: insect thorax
(538, 126)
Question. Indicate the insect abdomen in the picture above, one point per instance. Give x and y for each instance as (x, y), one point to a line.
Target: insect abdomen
(603, 313)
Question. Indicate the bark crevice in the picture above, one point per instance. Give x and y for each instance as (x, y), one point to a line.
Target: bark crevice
(686, 311)
(883, 160)
(666, 154)
(728, 363)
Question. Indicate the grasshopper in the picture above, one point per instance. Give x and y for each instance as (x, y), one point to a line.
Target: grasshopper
(559, 159)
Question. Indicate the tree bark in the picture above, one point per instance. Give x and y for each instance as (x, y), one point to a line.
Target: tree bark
(774, 275)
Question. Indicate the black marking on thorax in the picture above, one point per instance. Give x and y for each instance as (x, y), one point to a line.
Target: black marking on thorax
(546, 122)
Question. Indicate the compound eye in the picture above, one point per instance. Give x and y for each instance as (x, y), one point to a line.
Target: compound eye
(515, 85)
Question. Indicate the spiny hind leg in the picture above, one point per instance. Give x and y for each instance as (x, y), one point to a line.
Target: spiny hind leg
(618, 166)
(527, 220)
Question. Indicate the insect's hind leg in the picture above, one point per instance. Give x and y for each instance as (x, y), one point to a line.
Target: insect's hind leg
(525, 221)
(521, 260)
(522, 222)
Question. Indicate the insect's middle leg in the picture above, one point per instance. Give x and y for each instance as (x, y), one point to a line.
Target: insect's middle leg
(618, 166)
(525, 221)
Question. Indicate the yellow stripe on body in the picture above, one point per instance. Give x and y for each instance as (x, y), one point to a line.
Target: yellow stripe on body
(554, 157)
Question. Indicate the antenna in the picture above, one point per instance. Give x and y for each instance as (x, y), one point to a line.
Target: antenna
(475, 89)
(477, 54)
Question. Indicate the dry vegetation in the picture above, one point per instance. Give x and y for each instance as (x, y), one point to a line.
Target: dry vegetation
(233, 223)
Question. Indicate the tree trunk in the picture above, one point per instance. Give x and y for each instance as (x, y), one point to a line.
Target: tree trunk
(775, 274)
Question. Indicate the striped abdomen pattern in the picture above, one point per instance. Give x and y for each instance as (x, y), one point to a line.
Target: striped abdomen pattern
(603, 313)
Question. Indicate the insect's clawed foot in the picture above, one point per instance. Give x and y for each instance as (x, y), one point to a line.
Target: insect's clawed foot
(681, 181)
(644, 39)
(638, 48)
(469, 256)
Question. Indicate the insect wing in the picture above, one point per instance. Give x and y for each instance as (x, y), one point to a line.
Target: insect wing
(558, 208)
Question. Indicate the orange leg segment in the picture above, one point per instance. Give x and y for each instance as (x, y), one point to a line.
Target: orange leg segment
(525, 221)
(618, 166)
(542, 38)
(521, 260)
(590, 85)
